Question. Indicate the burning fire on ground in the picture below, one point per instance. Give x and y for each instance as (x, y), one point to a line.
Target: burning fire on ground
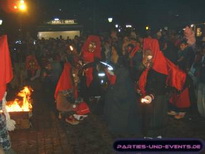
(23, 103)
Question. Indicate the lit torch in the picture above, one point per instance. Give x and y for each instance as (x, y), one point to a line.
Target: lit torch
(71, 47)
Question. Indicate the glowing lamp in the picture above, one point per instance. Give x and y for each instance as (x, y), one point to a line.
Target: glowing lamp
(110, 19)
(22, 6)
(15, 7)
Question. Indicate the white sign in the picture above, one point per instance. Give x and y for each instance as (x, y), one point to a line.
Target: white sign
(57, 22)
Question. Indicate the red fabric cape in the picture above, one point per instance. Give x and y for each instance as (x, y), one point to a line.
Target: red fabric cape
(6, 72)
(65, 80)
(181, 100)
(176, 77)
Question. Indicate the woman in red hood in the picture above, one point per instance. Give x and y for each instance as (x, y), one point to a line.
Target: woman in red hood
(158, 73)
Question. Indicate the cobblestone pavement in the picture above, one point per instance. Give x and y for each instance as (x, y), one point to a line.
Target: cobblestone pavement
(49, 135)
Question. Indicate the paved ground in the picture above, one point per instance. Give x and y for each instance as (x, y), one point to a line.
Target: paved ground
(49, 135)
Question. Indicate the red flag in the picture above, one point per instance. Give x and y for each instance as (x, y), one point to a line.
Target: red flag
(65, 81)
(6, 72)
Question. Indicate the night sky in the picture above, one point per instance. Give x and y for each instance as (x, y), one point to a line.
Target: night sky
(133, 11)
(156, 13)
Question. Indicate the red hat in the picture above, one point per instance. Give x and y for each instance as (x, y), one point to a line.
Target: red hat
(65, 80)
(6, 72)
(82, 108)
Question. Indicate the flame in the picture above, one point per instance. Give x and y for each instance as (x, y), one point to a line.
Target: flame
(22, 104)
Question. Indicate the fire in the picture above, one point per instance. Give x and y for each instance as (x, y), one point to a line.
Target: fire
(23, 103)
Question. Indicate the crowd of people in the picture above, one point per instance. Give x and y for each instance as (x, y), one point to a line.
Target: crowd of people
(152, 75)
(45, 59)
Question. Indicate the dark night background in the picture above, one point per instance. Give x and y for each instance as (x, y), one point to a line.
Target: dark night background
(94, 13)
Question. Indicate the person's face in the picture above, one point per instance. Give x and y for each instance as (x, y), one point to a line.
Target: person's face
(147, 58)
(92, 47)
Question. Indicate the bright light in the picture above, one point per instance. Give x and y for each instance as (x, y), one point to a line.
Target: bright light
(147, 27)
(22, 6)
(101, 74)
(71, 47)
(56, 19)
(128, 26)
(109, 66)
(192, 25)
(119, 30)
(15, 7)
(110, 19)
(116, 26)
(1, 21)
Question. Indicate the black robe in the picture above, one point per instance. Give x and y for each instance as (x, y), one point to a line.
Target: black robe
(121, 110)
(154, 115)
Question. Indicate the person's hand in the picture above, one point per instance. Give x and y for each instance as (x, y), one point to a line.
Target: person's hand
(147, 99)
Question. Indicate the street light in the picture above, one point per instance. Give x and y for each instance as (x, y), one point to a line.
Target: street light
(147, 27)
(110, 19)
(22, 6)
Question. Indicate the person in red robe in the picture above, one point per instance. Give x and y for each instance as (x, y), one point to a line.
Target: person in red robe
(158, 73)
(66, 95)
(90, 51)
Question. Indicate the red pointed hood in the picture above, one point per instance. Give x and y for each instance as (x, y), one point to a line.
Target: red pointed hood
(89, 56)
(6, 72)
(65, 80)
(159, 61)
(175, 77)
